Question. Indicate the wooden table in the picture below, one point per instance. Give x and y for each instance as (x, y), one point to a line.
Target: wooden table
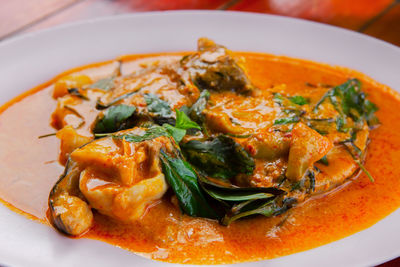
(378, 18)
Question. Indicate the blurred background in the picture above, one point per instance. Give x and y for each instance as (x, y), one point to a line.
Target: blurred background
(378, 18)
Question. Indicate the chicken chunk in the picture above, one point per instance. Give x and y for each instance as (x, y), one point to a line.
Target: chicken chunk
(269, 145)
(116, 177)
(70, 140)
(214, 68)
(121, 178)
(306, 147)
(70, 81)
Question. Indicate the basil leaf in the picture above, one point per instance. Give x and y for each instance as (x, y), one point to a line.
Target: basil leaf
(298, 100)
(233, 196)
(325, 96)
(220, 157)
(157, 106)
(183, 181)
(103, 84)
(324, 161)
(76, 92)
(184, 122)
(311, 176)
(278, 98)
(350, 101)
(287, 120)
(115, 119)
(220, 72)
(369, 110)
(195, 111)
(176, 133)
(238, 196)
(150, 133)
(268, 209)
(100, 105)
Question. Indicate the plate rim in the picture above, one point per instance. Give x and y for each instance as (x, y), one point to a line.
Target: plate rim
(26, 36)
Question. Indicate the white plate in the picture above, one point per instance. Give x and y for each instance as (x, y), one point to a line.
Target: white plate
(31, 59)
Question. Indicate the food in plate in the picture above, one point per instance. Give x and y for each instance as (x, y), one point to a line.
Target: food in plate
(211, 156)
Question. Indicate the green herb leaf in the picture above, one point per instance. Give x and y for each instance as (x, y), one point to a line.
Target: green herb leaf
(311, 176)
(369, 109)
(324, 160)
(115, 119)
(235, 200)
(176, 133)
(184, 122)
(195, 111)
(76, 92)
(298, 100)
(150, 133)
(267, 208)
(278, 98)
(237, 196)
(356, 157)
(103, 84)
(220, 157)
(157, 106)
(325, 96)
(183, 181)
(239, 135)
(100, 105)
(286, 120)
(350, 102)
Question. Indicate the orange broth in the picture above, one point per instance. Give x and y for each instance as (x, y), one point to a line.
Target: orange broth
(30, 169)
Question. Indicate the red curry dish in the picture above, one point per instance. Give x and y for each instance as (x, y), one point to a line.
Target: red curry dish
(178, 156)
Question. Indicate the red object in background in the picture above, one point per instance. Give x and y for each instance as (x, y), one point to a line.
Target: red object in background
(378, 18)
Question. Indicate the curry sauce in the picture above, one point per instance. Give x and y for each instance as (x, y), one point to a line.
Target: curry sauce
(163, 232)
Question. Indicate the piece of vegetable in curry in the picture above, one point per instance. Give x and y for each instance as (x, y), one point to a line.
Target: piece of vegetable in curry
(199, 128)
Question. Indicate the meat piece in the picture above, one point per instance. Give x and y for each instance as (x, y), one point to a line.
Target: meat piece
(214, 68)
(116, 177)
(306, 147)
(70, 81)
(70, 140)
(269, 145)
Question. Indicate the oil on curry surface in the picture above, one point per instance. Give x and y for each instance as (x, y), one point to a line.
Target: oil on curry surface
(205, 157)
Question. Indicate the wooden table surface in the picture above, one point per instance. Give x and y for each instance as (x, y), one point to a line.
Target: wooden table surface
(378, 18)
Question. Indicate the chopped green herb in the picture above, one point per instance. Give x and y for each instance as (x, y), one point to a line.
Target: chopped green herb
(350, 101)
(311, 177)
(103, 84)
(76, 92)
(298, 100)
(184, 182)
(286, 120)
(195, 111)
(157, 106)
(46, 135)
(175, 132)
(100, 105)
(239, 135)
(268, 209)
(324, 160)
(184, 122)
(219, 157)
(150, 133)
(115, 118)
(358, 162)
(278, 98)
